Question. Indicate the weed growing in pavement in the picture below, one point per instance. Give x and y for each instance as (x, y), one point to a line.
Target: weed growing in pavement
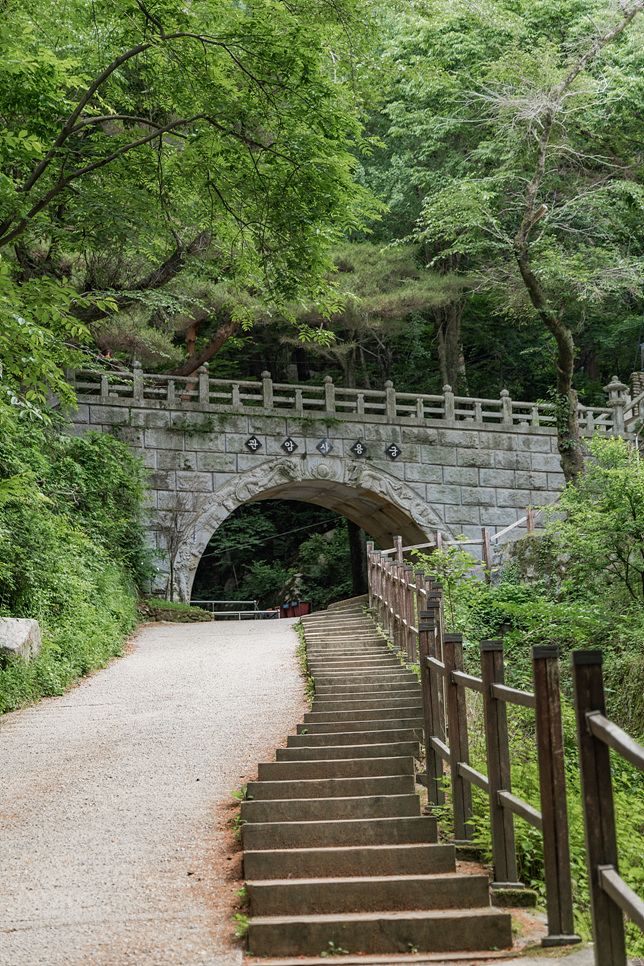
(334, 950)
(302, 662)
(237, 823)
(242, 897)
(242, 795)
(242, 921)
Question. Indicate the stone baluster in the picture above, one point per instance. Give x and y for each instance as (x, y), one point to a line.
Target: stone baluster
(267, 390)
(234, 396)
(448, 397)
(390, 399)
(299, 401)
(616, 401)
(105, 387)
(506, 408)
(204, 388)
(137, 382)
(420, 409)
(329, 395)
(360, 404)
(171, 397)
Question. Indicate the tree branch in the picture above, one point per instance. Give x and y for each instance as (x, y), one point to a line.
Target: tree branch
(165, 273)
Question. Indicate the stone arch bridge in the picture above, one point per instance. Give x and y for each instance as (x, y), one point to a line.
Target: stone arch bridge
(393, 463)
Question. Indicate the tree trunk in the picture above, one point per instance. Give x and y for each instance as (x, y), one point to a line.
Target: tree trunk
(217, 340)
(566, 404)
(447, 327)
(358, 550)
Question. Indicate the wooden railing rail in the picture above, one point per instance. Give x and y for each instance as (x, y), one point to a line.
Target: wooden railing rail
(610, 896)
(411, 613)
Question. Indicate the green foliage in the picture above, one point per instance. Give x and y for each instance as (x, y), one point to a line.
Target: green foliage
(586, 608)
(603, 528)
(450, 566)
(333, 950)
(269, 551)
(242, 922)
(71, 552)
(211, 141)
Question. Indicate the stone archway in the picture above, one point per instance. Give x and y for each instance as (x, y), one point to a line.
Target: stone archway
(378, 502)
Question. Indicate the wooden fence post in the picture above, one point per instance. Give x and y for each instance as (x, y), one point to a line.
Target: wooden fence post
(370, 573)
(420, 580)
(395, 594)
(498, 768)
(431, 708)
(389, 625)
(552, 786)
(398, 543)
(487, 554)
(458, 741)
(599, 812)
(408, 612)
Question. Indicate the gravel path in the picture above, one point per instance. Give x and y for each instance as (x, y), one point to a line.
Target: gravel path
(115, 798)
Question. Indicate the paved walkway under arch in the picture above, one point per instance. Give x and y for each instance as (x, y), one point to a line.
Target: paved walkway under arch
(114, 798)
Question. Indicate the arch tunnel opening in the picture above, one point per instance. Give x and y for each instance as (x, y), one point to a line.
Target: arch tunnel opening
(363, 493)
(278, 551)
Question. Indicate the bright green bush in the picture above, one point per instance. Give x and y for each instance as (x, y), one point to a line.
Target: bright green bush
(71, 553)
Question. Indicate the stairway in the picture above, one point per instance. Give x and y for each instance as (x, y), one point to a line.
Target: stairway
(337, 854)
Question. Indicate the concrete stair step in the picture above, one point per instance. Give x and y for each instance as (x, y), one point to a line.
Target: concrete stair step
(410, 708)
(336, 849)
(382, 893)
(356, 646)
(336, 787)
(346, 660)
(300, 752)
(417, 858)
(357, 687)
(338, 833)
(376, 737)
(331, 809)
(373, 663)
(351, 723)
(398, 700)
(335, 768)
(438, 931)
(365, 677)
(338, 676)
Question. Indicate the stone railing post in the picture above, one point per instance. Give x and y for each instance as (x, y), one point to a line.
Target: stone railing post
(204, 389)
(448, 397)
(137, 382)
(390, 399)
(105, 387)
(267, 390)
(506, 408)
(329, 395)
(616, 402)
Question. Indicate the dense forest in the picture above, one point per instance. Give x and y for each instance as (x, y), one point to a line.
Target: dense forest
(431, 192)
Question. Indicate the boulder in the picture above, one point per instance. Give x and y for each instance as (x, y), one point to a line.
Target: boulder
(19, 639)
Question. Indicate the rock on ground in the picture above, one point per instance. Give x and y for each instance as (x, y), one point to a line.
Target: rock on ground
(19, 639)
(115, 798)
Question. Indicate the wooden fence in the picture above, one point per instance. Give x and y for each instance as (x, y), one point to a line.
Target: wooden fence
(409, 606)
